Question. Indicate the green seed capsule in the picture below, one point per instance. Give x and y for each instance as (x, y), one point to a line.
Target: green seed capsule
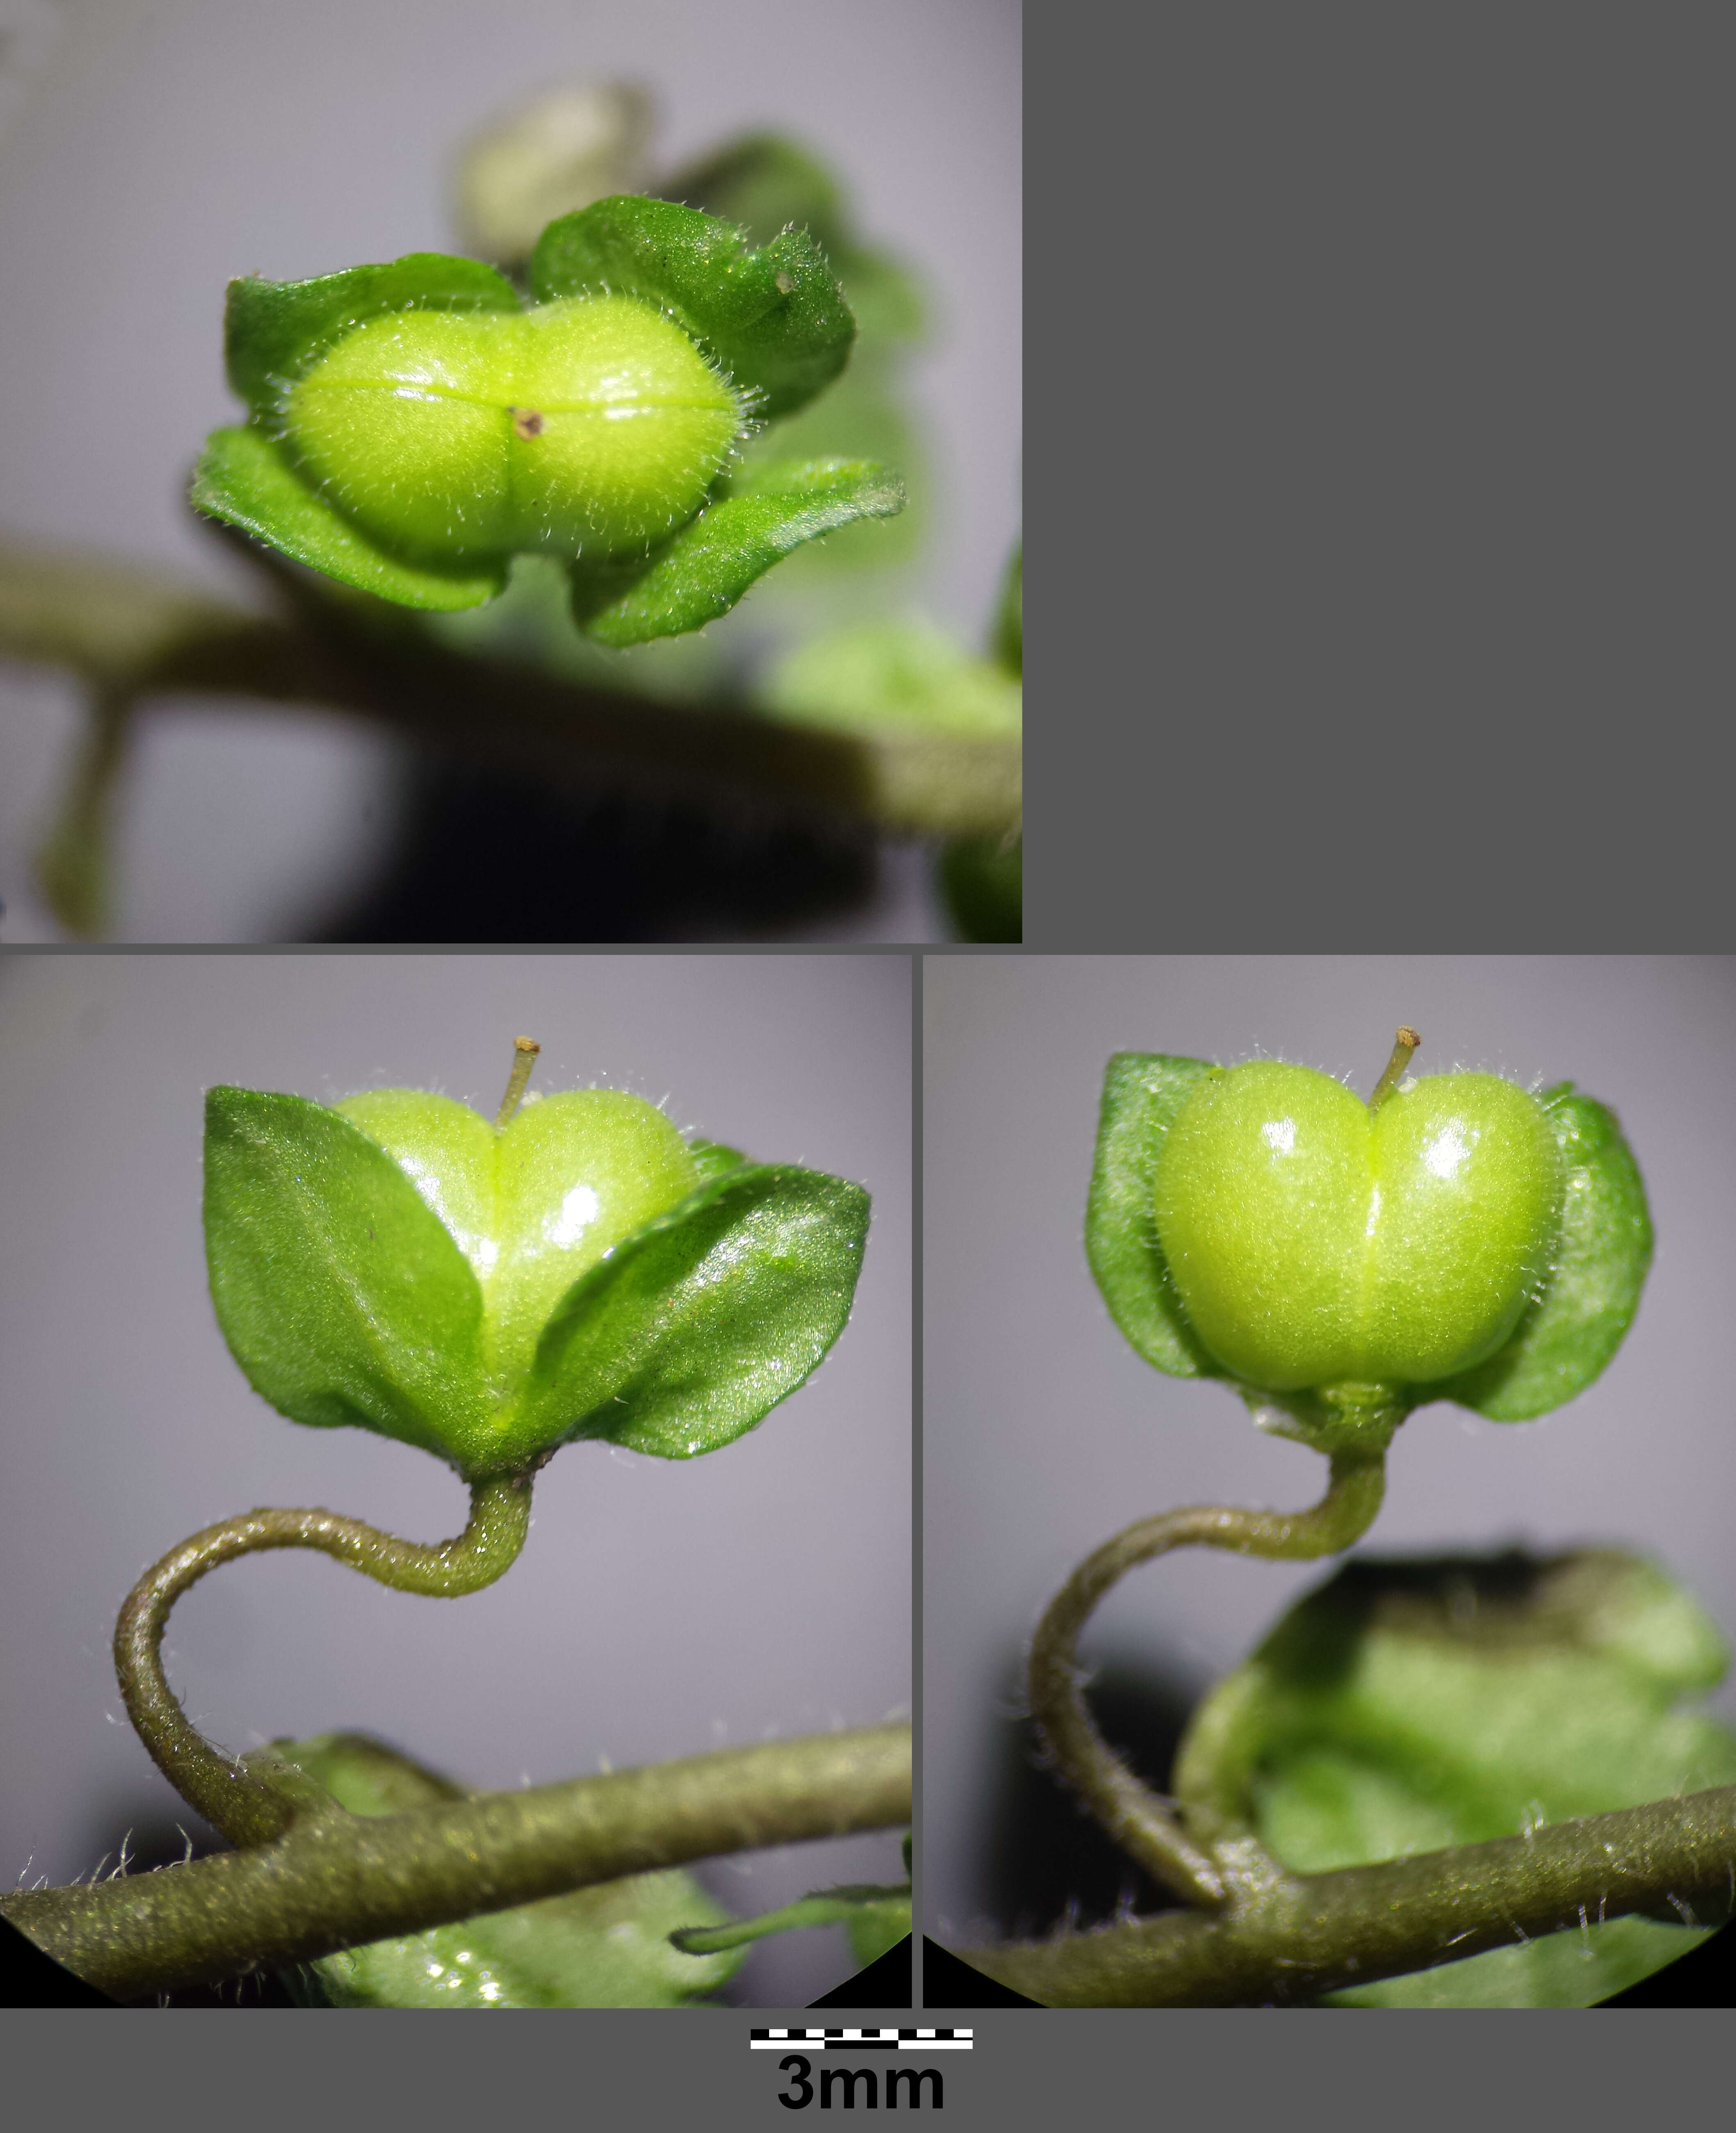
(1317, 1243)
(592, 426)
(534, 1207)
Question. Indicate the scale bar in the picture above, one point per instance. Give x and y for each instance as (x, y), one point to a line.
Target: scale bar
(859, 2040)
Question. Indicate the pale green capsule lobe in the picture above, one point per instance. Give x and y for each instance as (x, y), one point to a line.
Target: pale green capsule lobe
(534, 1207)
(1314, 1243)
(591, 426)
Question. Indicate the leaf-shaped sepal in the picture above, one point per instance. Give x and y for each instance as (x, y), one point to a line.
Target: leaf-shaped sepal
(704, 570)
(244, 479)
(774, 316)
(341, 1293)
(696, 1326)
(1143, 1092)
(273, 332)
(1570, 1333)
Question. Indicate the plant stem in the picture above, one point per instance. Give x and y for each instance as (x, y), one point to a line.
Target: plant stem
(251, 1805)
(1674, 1860)
(1134, 1816)
(342, 1882)
(129, 629)
(74, 863)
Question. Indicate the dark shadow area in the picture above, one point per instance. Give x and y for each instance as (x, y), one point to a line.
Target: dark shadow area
(1048, 1862)
(485, 854)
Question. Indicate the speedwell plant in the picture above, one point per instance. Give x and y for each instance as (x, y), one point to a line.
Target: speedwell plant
(1454, 1782)
(487, 1290)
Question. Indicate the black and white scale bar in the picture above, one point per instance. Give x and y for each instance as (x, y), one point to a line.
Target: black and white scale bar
(864, 2041)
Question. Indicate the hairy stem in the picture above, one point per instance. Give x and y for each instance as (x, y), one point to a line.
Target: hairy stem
(1674, 1860)
(253, 1805)
(1139, 1820)
(349, 1879)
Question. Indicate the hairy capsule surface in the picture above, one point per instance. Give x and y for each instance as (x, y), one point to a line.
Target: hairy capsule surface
(1316, 1243)
(536, 1205)
(592, 426)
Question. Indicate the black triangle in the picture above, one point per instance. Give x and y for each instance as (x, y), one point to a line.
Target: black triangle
(947, 1982)
(1703, 1977)
(28, 1978)
(885, 1983)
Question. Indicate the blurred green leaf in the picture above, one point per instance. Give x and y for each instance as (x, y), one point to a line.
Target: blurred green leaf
(768, 183)
(1143, 1092)
(243, 478)
(602, 1947)
(693, 1330)
(1407, 1706)
(1008, 643)
(872, 676)
(338, 1289)
(774, 317)
(711, 563)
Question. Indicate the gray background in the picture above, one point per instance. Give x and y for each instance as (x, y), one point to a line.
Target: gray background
(660, 1608)
(1043, 1432)
(151, 149)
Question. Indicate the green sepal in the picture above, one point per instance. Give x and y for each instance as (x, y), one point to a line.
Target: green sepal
(696, 1326)
(1143, 1092)
(275, 331)
(245, 479)
(774, 316)
(1569, 1335)
(339, 1291)
(768, 183)
(607, 1946)
(1407, 1706)
(704, 570)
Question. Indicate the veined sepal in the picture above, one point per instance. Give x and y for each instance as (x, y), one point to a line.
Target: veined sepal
(347, 1300)
(702, 571)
